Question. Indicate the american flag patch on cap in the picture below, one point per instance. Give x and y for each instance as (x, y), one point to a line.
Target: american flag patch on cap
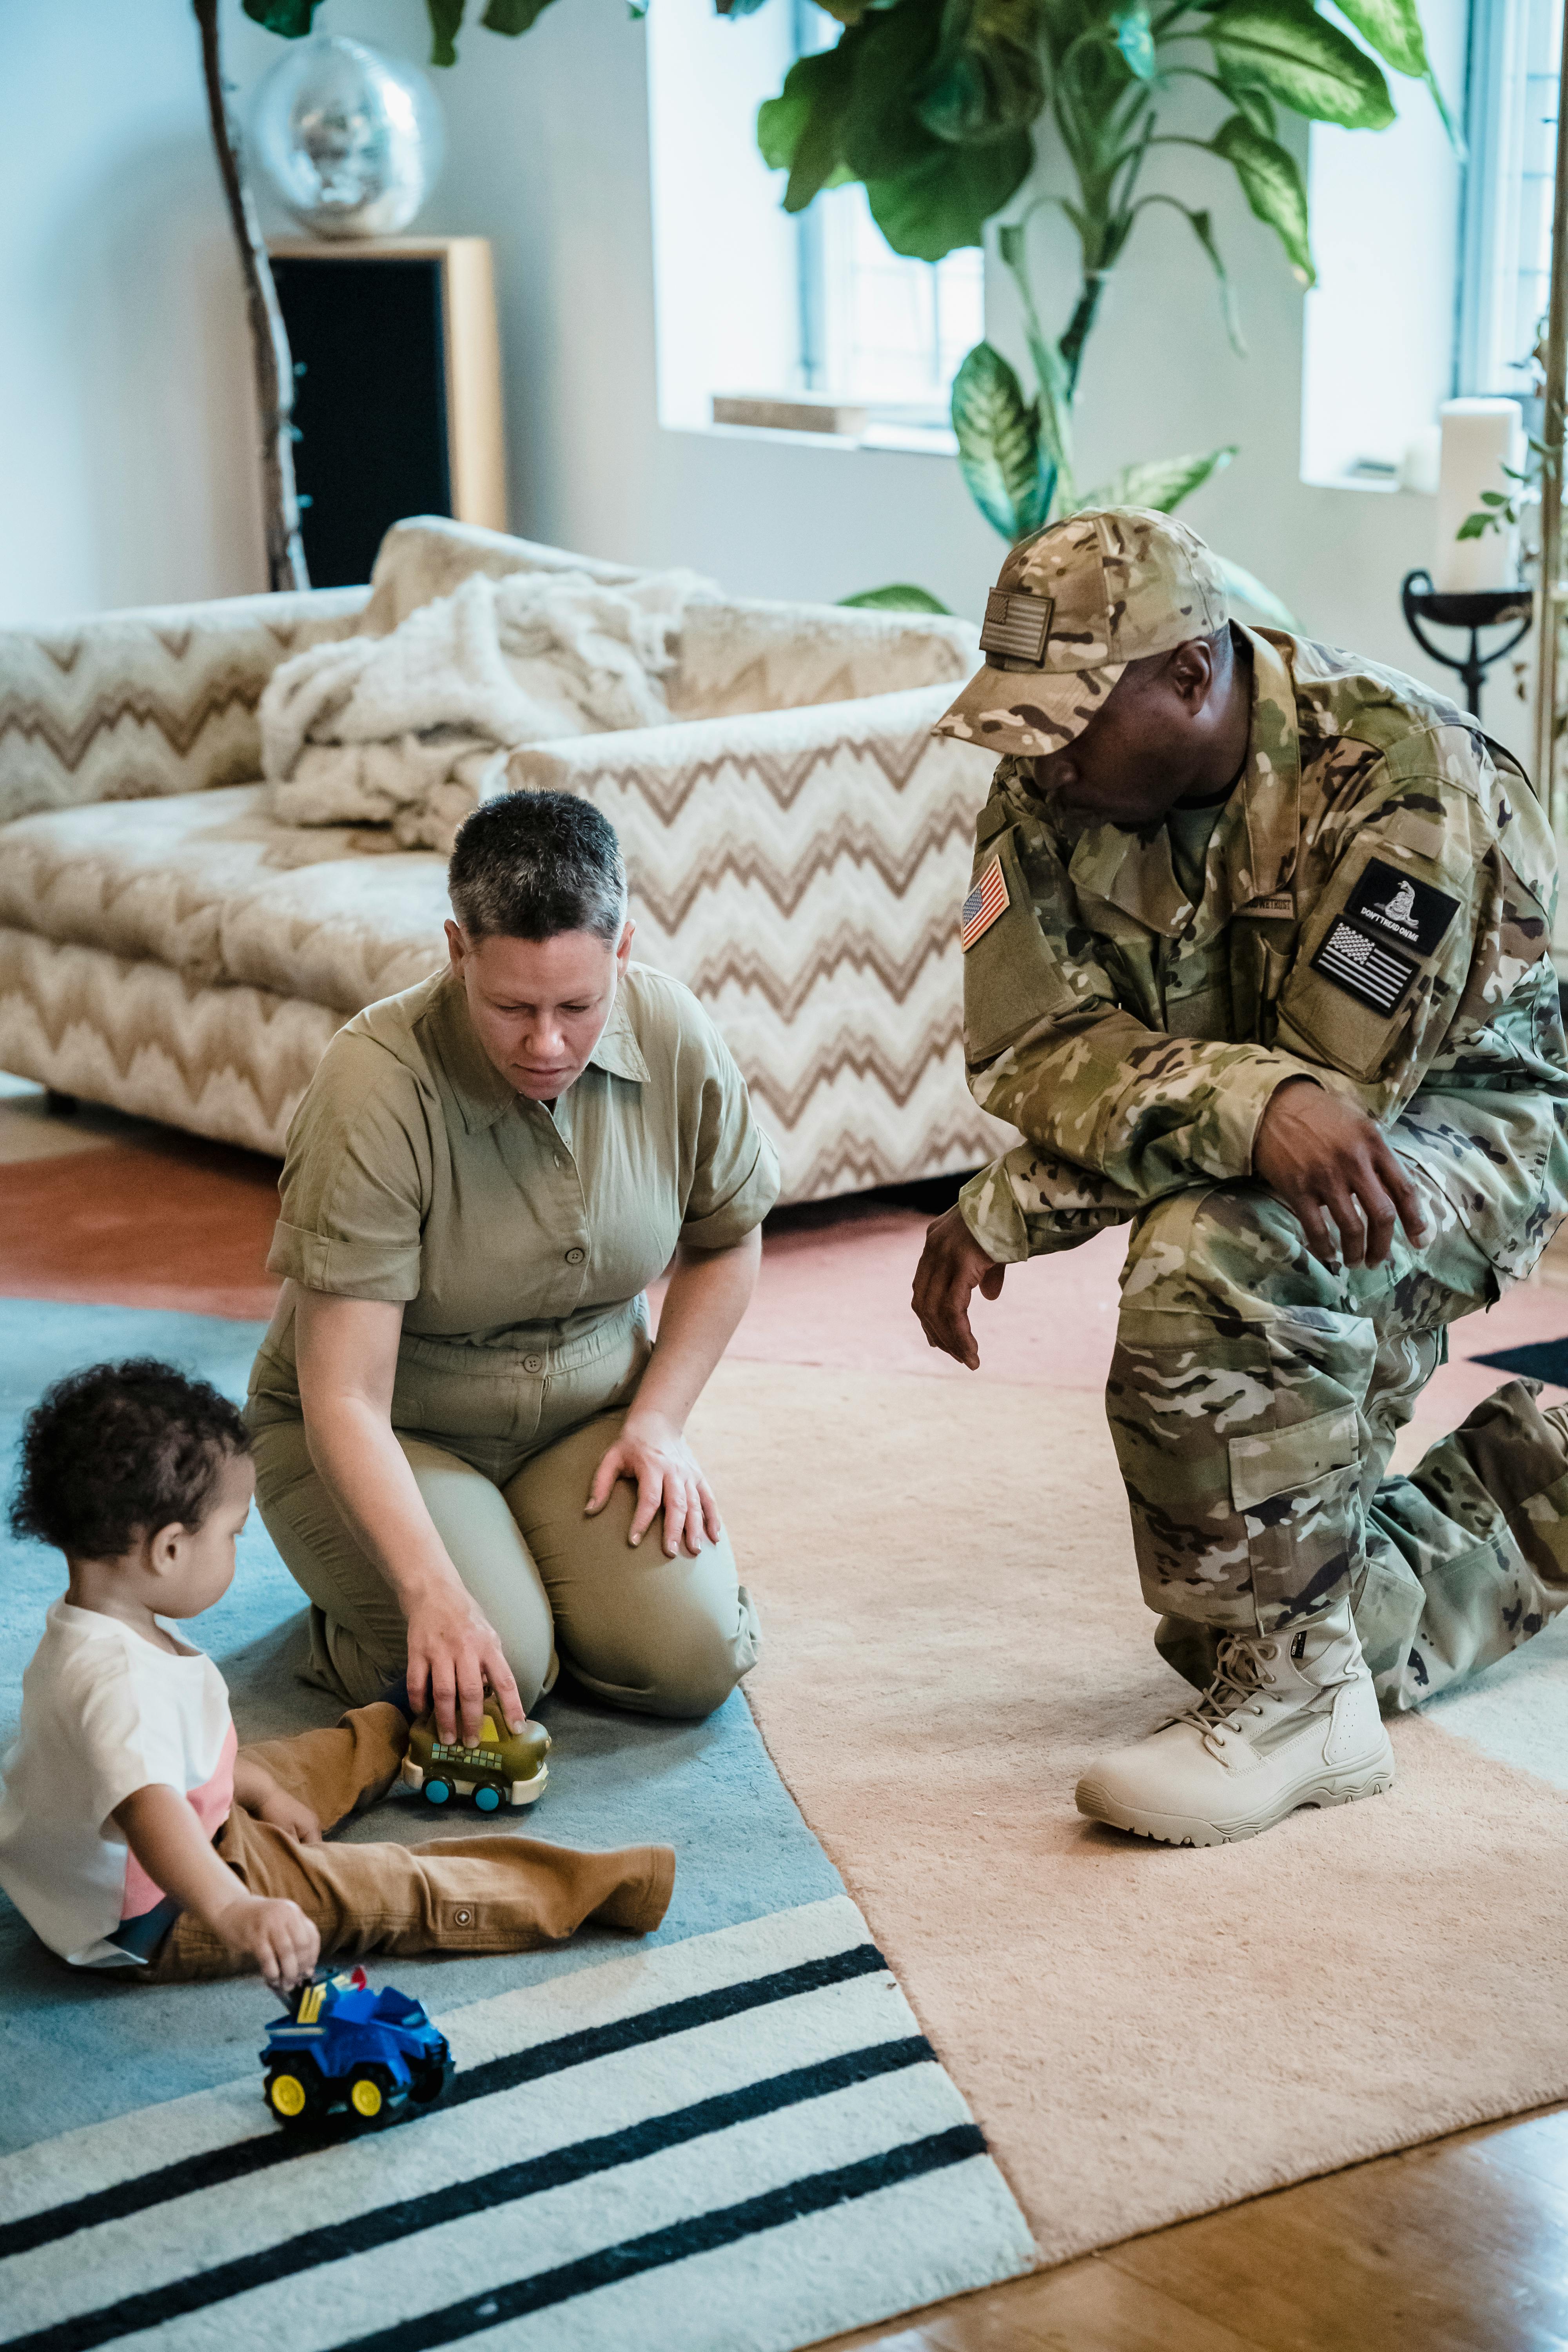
(987, 900)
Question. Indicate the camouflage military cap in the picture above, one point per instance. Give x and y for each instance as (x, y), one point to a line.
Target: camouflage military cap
(1071, 608)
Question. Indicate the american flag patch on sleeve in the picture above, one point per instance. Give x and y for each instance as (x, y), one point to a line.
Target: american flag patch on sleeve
(987, 900)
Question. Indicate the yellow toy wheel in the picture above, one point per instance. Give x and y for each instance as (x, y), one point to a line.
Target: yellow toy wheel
(291, 2094)
(366, 2097)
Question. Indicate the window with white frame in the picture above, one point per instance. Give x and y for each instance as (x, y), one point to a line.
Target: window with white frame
(1515, 53)
(752, 301)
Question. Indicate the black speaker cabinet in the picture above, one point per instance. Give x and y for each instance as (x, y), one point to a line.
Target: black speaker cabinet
(397, 397)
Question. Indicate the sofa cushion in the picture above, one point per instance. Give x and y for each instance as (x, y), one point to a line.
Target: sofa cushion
(205, 883)
(742, 654)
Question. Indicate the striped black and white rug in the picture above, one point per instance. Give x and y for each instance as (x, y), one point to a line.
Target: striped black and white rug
(740, 2143)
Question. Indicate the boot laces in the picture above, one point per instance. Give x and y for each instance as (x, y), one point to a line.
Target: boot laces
(1241, 1676)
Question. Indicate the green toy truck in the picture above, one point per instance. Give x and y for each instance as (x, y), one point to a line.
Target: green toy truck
(505, 1768)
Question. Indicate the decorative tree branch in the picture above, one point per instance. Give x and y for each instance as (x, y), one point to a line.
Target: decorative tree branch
(286, 566)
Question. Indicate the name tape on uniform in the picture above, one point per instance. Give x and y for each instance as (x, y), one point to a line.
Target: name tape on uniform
(986, 903)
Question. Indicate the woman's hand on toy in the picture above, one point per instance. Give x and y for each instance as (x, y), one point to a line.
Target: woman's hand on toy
(453, 1652)
(655, 1456)
(275, 1934)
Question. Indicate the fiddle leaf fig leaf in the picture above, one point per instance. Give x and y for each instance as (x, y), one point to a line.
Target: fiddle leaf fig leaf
(1160, 483)
(1272, 186)
(512, 15)
(802, 130)
(1244, 587)
(290, 19)
(946, 200)
(987, 75)
(445, 20)
(901, 597)
(1134, 36)
(999, 445)
(1285, 47)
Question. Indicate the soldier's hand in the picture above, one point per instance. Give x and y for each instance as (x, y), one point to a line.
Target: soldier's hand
(953, 1267)
(1326, 1159)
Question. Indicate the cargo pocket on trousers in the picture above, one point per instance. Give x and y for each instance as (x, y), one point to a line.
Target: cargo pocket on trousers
(1289, 1487)
(1280, 1461)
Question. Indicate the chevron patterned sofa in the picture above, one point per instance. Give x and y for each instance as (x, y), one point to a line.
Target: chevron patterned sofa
(798, 845)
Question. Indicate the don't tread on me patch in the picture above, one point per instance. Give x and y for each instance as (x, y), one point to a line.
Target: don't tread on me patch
(1391, 923)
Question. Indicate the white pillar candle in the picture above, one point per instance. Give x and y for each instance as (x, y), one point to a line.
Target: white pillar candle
(1479, 438)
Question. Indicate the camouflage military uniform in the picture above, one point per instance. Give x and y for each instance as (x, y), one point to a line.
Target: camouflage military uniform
(1374, 913)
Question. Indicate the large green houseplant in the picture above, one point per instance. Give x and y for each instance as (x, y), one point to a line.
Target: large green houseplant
(936, 107)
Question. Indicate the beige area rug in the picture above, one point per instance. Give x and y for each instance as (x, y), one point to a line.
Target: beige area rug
(952, 1627)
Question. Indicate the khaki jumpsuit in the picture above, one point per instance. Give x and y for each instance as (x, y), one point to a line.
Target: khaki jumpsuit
(519, 1241)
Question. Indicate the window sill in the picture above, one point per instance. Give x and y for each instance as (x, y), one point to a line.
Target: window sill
(904, 440)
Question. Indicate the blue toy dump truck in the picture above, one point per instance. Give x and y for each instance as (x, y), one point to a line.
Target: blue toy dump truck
(343, 2049)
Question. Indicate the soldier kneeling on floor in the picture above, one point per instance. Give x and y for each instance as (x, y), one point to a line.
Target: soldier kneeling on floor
(1256, 958)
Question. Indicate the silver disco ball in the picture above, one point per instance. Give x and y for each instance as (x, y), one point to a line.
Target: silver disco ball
(352, 140)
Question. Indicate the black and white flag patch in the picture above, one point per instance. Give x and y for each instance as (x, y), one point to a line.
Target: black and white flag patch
(1375, 975)
(1390, 921)
(1407, 913)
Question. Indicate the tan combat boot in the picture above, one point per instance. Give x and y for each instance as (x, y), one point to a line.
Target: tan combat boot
(1290, 1719)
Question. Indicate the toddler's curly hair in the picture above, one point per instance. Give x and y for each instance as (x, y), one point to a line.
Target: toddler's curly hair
(119, 1451)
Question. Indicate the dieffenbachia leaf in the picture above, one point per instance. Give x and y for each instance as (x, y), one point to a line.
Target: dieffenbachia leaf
(999, 445)
(1304, 61)
(898, 598)
(1160, 483)
(1134, 36)
(1273, 187)
(1244, 587)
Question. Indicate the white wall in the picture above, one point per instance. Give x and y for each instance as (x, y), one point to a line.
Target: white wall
(125, 458)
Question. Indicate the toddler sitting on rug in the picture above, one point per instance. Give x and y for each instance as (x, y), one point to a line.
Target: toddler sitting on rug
(133, 1831)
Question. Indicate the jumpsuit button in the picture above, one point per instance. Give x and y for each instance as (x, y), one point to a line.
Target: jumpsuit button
(533, 1363)
(462, 1917)
(575, 1256)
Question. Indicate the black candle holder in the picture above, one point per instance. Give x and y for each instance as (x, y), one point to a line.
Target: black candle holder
(1474, 609)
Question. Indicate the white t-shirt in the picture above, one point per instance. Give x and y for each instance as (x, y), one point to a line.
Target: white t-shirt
(105, 1712)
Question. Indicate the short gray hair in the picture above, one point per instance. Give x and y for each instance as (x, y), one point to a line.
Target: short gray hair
(533, 865)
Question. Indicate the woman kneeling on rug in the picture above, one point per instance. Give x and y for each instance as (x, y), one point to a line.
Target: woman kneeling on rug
(462, 1430)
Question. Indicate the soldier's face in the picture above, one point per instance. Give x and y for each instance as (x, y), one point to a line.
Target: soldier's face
(1168, 731)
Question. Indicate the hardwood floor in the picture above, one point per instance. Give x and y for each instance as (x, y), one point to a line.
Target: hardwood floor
(1457, 2246)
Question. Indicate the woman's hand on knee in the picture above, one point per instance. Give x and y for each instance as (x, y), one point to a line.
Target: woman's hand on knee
(655, 1456)
(453, 1652)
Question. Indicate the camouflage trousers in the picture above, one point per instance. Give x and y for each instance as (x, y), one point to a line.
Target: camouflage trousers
(1253, 1400)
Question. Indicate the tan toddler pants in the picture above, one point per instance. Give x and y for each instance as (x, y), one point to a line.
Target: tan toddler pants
(501, 1893)
(504, 1448)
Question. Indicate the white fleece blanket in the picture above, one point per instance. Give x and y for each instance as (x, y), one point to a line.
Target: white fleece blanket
(411, 729)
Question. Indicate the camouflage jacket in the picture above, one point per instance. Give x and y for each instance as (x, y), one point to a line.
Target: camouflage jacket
(1376, 914)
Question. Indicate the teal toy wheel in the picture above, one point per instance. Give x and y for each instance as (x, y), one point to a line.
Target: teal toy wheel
(438, 1792)
(487, 1800)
